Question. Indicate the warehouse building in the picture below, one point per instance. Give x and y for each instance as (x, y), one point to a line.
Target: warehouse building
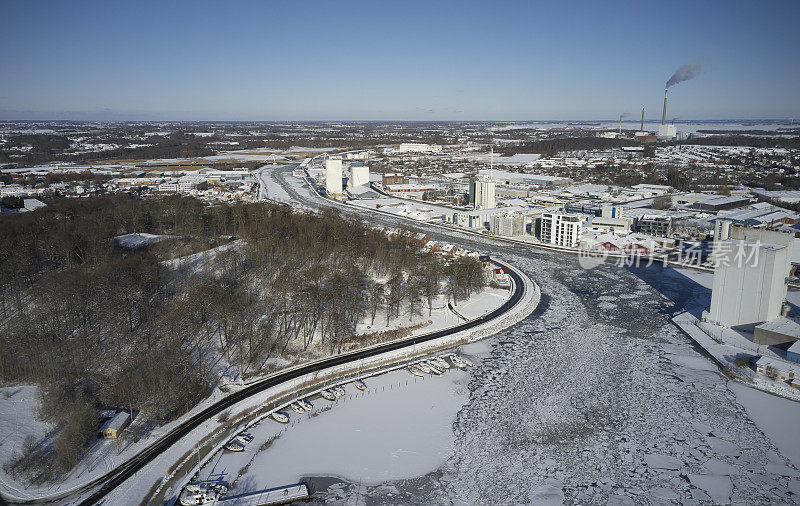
(720, 203)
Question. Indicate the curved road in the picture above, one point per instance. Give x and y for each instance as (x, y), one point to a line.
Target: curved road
(117, 476)
(130, 467)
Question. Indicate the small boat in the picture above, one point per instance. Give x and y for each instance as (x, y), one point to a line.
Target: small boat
(457, 361)
(244, 438)
(234, 446)
(441, 363)
(434, 369)
(413, 370)
(279, 416)
(305, 404)
(220, 487)
(297, 409)
(195, 494)
(327, 394)
(469, 364)
(422, 366)
(338, 391)
(361, 385)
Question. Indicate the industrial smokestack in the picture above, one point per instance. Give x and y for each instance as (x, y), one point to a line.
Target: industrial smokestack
(641, 129)
(664, 114)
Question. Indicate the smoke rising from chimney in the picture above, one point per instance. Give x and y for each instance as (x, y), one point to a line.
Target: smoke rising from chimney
(685, 72)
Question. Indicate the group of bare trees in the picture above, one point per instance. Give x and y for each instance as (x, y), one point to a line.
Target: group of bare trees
(100, 326)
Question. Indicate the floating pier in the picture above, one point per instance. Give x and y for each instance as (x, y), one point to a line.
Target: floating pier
(278, 495)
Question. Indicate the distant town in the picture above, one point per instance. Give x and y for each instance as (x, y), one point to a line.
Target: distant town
(240, 253)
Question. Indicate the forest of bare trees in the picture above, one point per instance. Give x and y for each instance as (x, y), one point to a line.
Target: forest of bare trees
(100, 326)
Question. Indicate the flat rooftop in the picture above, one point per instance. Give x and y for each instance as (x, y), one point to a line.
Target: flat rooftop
(782, 325)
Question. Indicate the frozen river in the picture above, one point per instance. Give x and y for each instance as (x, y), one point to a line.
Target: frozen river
(594, 398)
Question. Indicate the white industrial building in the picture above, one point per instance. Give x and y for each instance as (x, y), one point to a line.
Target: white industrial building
(750, 276)
(508, 224)
(417, 147)
(333, 175)
(667, 132)
(478, 219)
(561, 229)
(485, 193)
(506, 177)
(618, 226)
(359, 175)
(749, 283)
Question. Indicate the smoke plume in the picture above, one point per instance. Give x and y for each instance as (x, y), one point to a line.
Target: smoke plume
(624, 115)
(685, 72)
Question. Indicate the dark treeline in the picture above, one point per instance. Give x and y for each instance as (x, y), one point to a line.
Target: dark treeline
(761, 133)
(46, 179)
(553, 146)
(745, 140)
(48, 148)
(773, 181)
(97, 326)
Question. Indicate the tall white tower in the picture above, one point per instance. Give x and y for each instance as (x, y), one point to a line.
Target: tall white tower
(333, 175)
(485, 193)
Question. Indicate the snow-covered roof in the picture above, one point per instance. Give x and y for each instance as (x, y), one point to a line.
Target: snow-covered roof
(33, 204)
(116, 423)
(782, 325)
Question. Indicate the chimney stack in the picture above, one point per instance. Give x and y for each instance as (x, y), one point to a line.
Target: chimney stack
(664, 114)
(641, 129)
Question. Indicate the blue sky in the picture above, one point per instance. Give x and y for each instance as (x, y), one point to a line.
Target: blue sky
(396, 60)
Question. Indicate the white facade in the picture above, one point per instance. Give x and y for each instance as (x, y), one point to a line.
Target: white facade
(561, 229)
(722, 229)
(359, 175)
(508, 225)
(333, 175)
(667, 132)
(619, 226)
(749, 282)
(485, 194)
(416, 147)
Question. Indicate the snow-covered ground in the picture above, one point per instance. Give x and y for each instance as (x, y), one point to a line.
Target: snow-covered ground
(138, 240)
(416, 210)
(348, 438)
(18, 420)
(270, 188)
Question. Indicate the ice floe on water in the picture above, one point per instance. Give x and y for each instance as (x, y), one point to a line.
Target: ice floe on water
(599, 399)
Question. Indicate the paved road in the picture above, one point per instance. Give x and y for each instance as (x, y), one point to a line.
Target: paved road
(130, 467)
